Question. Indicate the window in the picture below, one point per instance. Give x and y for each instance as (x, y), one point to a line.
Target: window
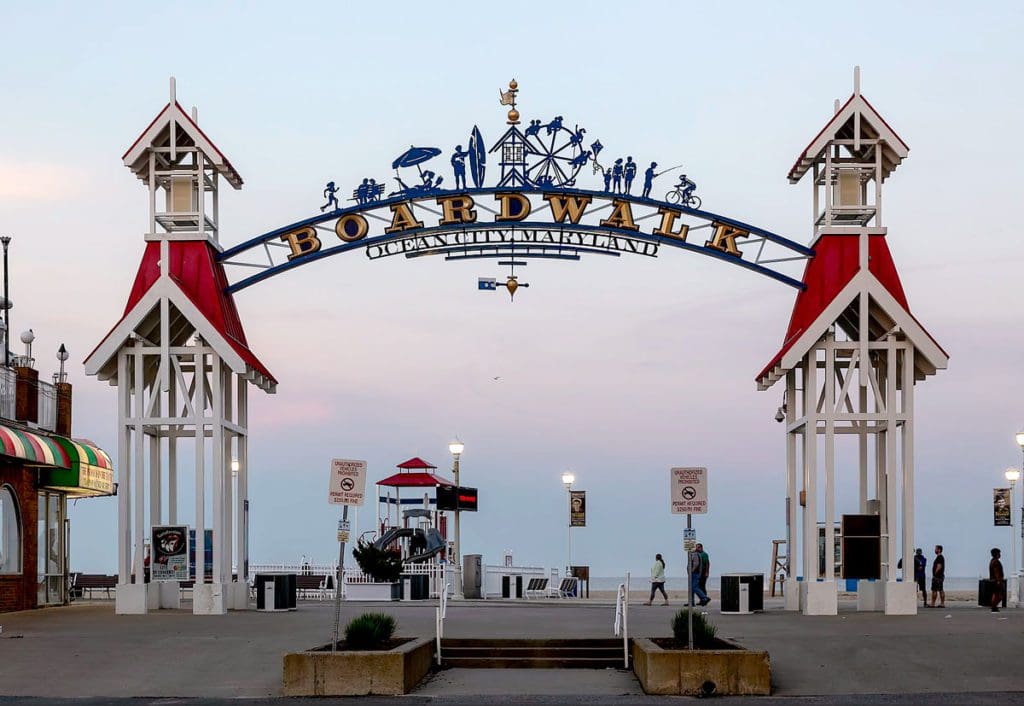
(10, 533)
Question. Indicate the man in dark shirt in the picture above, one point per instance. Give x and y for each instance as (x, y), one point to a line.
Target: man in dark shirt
(920, 564)
(995, 575)
(938, 576)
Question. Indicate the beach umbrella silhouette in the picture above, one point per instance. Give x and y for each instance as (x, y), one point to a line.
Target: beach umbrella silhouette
(415, 156)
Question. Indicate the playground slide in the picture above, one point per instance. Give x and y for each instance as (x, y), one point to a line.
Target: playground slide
(435, 544)
(392, 534)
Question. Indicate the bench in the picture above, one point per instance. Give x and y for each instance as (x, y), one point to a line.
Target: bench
(537, 587)
(80, 583)
(318, 584)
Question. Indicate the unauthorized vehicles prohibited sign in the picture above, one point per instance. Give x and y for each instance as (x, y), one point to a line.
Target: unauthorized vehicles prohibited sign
(348, 482)
(689, 487)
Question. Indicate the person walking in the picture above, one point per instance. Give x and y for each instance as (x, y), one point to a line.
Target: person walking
(996, 577)
(658, 579)
(938, 576)
(920, 566)
(705, 567)
(695, 562)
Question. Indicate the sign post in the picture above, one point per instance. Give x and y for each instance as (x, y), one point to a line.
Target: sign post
(689, 495)
(347, 487)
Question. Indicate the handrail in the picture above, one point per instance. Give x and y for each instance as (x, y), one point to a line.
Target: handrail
(439, 616)
(622, 618)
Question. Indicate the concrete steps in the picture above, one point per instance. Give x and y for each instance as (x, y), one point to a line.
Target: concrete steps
(483, 653)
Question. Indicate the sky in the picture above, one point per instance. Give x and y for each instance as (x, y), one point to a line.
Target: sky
(617, 370)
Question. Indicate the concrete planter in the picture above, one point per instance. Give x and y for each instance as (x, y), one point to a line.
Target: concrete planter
(373, 591)
(733, 671)
(391, 672)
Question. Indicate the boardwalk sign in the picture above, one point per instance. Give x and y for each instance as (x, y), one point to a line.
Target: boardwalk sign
(689, 488)
(348, 482)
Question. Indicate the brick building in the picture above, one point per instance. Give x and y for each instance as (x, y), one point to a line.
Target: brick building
(41, 466)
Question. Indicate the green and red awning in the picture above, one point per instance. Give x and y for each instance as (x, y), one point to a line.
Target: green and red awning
(77, 467)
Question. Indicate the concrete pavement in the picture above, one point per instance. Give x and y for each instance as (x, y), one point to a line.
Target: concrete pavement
(85, 650)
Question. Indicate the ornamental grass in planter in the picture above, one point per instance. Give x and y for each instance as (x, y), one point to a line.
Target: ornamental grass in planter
(370, 660)
(665, 665)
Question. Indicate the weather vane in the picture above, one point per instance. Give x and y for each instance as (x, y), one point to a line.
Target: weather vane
(509, 98)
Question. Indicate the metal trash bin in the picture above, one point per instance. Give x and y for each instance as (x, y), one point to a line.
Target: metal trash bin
(985, 587)
(742, 593)
(276, 592)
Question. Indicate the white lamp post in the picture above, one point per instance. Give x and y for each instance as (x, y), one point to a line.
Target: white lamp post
(1012, 590)
(456, 448)
(567, 480)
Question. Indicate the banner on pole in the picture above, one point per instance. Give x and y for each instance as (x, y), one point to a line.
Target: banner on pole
(348, 482)
(1001, 507)
(577, 508)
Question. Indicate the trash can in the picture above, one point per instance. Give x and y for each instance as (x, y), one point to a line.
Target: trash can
(415, 587)
(276, 592)
(742, 593)
(985, 587)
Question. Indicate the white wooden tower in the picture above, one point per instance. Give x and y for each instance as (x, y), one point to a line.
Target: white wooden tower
(182, 367)
(850, 359)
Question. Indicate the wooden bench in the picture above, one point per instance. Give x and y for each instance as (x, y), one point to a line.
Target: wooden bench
(318, 584)
(81, 583)
(537, 587)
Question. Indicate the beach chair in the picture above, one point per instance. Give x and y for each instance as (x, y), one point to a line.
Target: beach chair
(538, 587)
(568, 587)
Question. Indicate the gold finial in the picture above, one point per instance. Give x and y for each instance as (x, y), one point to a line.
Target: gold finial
(509, 98)
(511, 284)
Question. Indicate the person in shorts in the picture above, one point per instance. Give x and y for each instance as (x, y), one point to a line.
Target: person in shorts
(938, 576)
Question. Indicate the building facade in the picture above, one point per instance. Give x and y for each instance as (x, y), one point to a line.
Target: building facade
(41, 466)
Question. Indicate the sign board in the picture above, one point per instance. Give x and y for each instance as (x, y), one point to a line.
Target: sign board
(1001, 507)
(348, 482)
(689, 487)
(344, 528)
(487, 284)
(689, 540)
(450, 497)
(577, 508)
(169, 553)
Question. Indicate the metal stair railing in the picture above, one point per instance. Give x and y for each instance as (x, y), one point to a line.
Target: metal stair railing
(621, 625)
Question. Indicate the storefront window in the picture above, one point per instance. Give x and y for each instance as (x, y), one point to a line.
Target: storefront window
(10, 533)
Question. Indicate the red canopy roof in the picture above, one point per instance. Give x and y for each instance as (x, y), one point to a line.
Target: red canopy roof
(414, 480)
(417, 463)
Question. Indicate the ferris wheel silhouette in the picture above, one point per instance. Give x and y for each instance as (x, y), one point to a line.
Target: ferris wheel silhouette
(557, 153)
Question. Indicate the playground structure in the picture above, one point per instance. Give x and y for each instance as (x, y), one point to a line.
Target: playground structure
(420, 532)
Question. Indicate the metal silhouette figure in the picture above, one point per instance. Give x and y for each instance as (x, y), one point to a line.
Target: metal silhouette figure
(617, 176)
(683, 194)
(330, 193)
(629, 171)
(459, 166)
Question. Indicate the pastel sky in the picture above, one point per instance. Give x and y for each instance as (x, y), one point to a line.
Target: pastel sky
(617, 368)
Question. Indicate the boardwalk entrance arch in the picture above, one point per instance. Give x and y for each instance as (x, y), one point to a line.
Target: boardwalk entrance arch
(544, 189)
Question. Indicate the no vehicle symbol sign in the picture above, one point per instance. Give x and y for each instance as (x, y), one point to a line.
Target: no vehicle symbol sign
(348, 482)
(689, 488)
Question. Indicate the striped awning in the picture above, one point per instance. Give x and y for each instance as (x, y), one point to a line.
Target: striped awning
(75, 466)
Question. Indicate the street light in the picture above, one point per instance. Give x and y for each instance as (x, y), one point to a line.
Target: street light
(567, 480)
(1012, 475)
(456, 448)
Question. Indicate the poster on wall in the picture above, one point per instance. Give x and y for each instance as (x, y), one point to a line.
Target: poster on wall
(577, 508)
(169, 552)
(1001, 507)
